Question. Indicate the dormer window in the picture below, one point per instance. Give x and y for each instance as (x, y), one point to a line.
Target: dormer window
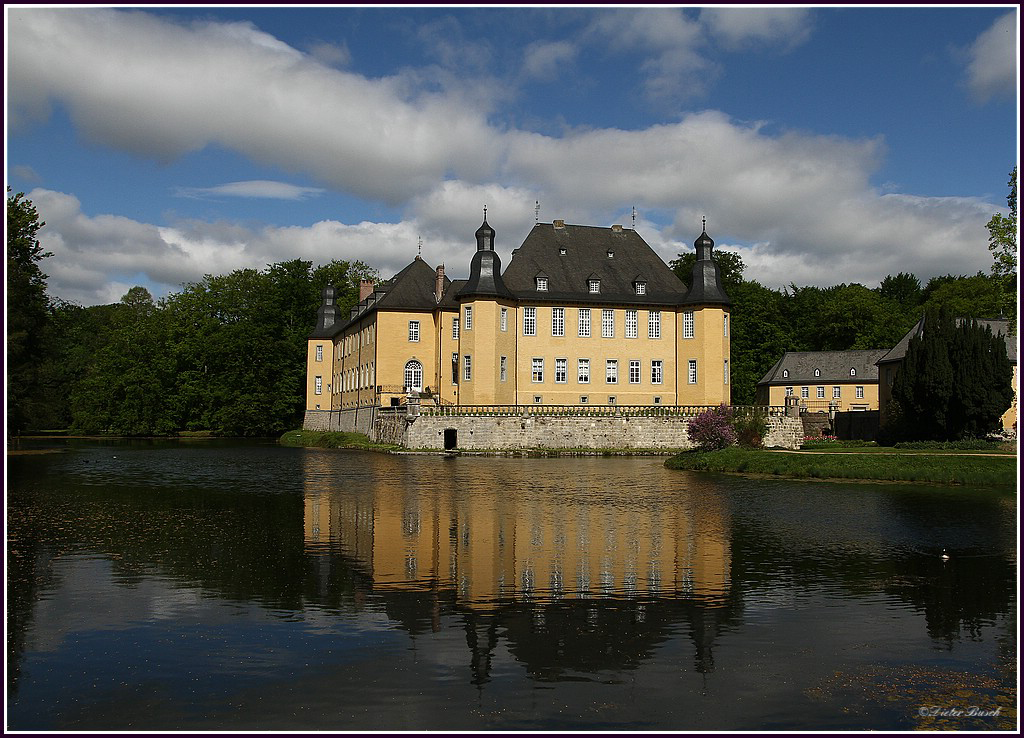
(641, 288)
(542, 284)
(611, 254)
(594, 285)
(853, 372)
(562, 251)
(785, 373)
(817, 372)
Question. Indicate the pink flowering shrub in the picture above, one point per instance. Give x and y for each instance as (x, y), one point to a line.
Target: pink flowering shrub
(712, 429)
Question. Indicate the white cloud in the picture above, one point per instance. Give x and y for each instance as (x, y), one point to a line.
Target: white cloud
(545, 60)
(259, 188)
(992, 61)
(739, 28)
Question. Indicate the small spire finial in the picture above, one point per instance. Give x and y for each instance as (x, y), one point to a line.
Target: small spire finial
(485, 212)
(703, 223)
(634, 217)
(536, 212)
(419, 245)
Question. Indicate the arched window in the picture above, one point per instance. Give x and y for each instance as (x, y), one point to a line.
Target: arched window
(785, 373)
(817, 372)
(414, 376)
(853, 372)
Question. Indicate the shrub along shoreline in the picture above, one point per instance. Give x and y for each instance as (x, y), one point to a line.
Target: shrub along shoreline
(937, 467)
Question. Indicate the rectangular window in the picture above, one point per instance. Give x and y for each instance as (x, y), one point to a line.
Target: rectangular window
(529, 321)
(860, 393)
(691, 372)
(455, 329)
(821, 393)
(542, 284)
(789, 391)
(611, 399)
(537, 399)
(836, 392)
(607, 323)
(584, 399)
(561, 371)
(538, 370)
(688, 324)
(641, 288)
(583, 371)
(504, 368)
(805, 392)
(319, 352)
(631, 321)
(318, 387)
(504, 319)
(656, 371)
(584, 322)
(634, 371)
(611, 371)
(467, 367)
(654, 324)
(469, 317)
(725, 325)
(725, 371)
(455, 368)
(594, 285)
(557, 321)
(414, 330)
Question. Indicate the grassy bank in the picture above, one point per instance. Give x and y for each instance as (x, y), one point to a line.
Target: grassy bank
(895, 466)
(328, 439)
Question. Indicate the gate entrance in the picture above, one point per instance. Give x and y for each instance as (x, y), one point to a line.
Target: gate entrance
(451, 439)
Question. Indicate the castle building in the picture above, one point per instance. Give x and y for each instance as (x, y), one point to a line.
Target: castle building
(823, 380)
(582, 315)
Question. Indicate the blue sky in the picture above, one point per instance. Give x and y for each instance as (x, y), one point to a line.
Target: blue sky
(825, 145)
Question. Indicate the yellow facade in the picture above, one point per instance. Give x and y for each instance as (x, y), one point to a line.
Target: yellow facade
(819, 397)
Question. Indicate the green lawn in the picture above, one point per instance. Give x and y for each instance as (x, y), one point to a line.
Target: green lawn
(877, 464)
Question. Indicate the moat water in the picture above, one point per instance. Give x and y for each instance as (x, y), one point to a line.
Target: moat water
(225, 586)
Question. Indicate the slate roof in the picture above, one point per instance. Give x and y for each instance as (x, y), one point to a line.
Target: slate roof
(997, 327)
(834, 365)
(586, 257)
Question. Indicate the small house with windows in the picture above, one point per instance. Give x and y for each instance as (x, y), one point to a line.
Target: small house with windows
(823, 381)
(582, 315)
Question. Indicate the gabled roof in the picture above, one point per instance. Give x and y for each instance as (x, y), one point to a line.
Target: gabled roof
(834, 366)
(899, 351)
(586, 257)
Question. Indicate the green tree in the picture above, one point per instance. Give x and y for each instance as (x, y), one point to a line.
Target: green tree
(730, 263)
(954, 381)
(27, 312)
(1002, 242)
(903, 289)
(759, 336)
(966, 297)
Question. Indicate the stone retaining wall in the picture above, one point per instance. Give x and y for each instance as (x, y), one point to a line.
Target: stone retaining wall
(349, 421)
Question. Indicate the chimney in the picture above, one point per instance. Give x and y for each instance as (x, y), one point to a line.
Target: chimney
(365, 288)
(439, 283)
(558, 224)
(617, 228)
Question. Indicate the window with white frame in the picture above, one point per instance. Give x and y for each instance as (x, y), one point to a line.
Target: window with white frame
(557, 321)
(691, 371)
(504, 369)
(538, 370)
(414, 330)
(817, 372)
(837, 392)
(504, 319)
(542, 284)
(631, 323)
(530, 321)
(611, 371)
(641, 288)
(860, 392)
(725, 325)
(467, 367)
(584, 321)
(413, 375)
(821, 393)
(611, 399)
(657, 371)
(725, 371)
(561, 371)
(654, 324)
(318, 385)
(634, 371)
(455, 368)
(469, 317)
(789, 391)
(688, 324)
(455, 329)
(853, 372)
(584, 399)
(594, 285)
(805, 392)
(319, 352)
(607, 323)
(583, 371)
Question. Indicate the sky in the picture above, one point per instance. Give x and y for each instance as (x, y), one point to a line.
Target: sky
(824, 145)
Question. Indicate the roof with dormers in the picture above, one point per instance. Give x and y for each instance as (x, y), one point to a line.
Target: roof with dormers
(571, 255)
(798, 367)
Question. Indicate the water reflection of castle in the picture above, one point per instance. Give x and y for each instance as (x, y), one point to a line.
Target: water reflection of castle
(570, 572)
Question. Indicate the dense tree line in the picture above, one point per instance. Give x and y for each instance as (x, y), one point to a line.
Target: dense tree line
(227, 354)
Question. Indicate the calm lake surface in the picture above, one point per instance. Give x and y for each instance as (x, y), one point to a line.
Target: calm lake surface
(227, 586)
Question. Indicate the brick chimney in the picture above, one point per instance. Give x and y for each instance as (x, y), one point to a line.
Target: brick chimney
(365, 288)
(439, 283)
